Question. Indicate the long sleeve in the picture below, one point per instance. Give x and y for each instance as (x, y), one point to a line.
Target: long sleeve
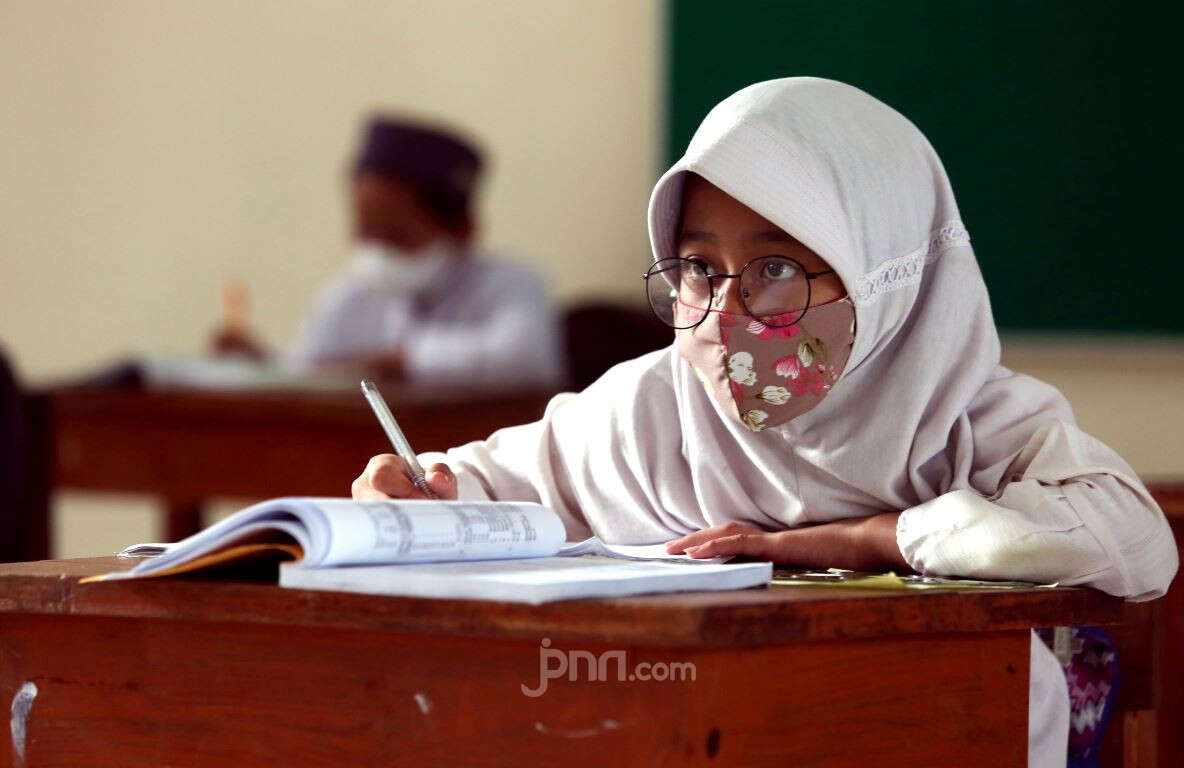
(321, 333)
(595, 458)
(1070, 511)
(518, 464)
(481, 321)
(515, 340)
(349, 320)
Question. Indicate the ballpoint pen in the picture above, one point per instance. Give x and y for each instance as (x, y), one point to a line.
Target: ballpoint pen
(396, 436)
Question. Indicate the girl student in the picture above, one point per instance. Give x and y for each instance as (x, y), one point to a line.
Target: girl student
(834, 395)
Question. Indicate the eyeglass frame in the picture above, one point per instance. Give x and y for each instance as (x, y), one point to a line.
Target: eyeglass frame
(725, 276)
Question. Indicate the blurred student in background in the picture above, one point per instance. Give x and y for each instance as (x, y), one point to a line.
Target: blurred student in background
(416, 300)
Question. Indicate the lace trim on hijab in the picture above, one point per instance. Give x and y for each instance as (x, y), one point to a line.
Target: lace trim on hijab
(906, 270)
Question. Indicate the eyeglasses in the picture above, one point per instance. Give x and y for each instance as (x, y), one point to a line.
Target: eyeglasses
(774, 290)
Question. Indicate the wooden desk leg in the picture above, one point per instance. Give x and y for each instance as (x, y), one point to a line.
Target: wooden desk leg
(1130, 740)
(1139, 743)
(33, 533)
(184, 518)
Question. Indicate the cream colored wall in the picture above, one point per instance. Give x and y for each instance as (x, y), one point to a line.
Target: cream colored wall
(152, 149)
(1127, 392)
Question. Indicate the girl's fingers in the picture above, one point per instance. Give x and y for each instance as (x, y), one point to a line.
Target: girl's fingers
(385, 476)
(441, 480)
(760, 545)
(388, 473)
(680, 545)
(363, 492)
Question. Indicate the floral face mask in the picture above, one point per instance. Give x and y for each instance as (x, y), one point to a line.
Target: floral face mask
(765, 376)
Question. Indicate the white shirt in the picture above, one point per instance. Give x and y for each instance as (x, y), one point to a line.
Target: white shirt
(478, 320)
(616, 461)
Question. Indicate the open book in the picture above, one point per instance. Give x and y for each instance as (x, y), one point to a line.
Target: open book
(475, 550)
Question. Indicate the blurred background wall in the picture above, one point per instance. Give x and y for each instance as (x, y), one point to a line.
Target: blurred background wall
(149, 151)
(152, 149)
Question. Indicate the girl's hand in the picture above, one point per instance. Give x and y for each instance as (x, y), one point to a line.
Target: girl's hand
(387, 477)
(858, 544)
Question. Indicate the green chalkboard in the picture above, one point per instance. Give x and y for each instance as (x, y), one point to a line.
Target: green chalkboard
(1052, 120)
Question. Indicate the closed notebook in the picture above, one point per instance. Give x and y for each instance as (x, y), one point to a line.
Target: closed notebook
(511, 551)
(531, 580)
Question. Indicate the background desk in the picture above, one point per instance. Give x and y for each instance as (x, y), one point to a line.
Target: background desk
(183, 672)
(190, 445)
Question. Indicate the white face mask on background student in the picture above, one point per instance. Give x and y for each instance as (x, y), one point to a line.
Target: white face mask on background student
(396, 272)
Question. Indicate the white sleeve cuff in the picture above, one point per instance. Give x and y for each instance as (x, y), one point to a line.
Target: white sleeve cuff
(960, 533)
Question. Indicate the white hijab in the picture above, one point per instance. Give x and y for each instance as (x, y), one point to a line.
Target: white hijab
(859, 185)
(923, 418)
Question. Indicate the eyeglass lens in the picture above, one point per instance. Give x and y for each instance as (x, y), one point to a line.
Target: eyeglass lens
(773, 289)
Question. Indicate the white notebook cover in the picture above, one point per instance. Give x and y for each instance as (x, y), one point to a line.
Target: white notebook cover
(535, 580)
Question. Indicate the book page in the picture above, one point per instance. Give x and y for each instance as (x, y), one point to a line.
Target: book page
(330, 531)
(279, 521)
(363, 532)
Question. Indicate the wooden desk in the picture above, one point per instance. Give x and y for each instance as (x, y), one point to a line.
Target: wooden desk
(216, 673)
(1170, 659)
(190, 445)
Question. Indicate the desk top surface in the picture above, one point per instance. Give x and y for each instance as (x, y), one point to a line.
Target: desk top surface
(772, 615)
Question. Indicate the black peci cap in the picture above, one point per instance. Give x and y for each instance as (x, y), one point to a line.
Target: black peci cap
(442, 165)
